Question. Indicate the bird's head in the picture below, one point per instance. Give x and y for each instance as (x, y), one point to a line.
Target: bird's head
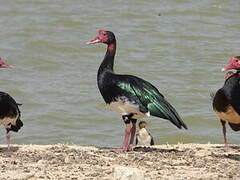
(233, 64)
(12, 124)
(4, 65)
(142, 124)
(106, 37)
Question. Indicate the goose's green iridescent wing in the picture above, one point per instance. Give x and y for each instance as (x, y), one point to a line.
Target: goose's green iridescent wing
(151, 99)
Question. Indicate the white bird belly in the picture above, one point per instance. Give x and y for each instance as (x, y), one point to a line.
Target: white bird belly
(143, 137)
(124, 107)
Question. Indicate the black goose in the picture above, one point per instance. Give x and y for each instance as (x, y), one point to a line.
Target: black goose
(9, 111)
(132, 97)
(226, 101)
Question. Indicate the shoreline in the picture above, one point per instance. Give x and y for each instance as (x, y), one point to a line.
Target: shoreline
(179, 161)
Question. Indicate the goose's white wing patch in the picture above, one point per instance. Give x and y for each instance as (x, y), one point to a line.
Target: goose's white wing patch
(123, 106)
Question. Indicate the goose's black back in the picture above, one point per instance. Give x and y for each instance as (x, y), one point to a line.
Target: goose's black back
(9, 108)
(229, 95)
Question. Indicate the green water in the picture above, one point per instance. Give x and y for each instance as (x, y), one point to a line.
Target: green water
(180, 46)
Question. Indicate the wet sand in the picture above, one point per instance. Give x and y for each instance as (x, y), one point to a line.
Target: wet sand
(181, 161)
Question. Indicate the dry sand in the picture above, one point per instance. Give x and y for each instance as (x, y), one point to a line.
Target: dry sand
(182, 161)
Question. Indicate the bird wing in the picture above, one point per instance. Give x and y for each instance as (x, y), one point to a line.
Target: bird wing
(137, 138)
(229, 94)
(234, 99)
(150, 98)
(8, 106)
(226, 102)
(152, 141)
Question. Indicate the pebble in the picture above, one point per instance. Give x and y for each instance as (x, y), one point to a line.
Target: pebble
(67, 160)
(126, 173)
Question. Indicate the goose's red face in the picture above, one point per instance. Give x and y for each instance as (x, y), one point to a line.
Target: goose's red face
(101, 38)
(4, 65)
(234, 63)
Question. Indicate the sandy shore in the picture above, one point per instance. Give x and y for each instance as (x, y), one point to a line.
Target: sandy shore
(182, 161)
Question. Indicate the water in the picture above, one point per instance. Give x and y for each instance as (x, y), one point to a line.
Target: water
(180, 46)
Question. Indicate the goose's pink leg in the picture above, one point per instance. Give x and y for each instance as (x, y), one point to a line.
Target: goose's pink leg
(8, 136)
(128, 130)
(224, 133)
(127, 133)
(133, 132)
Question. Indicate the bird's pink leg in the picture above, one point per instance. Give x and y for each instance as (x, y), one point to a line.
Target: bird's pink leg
(126, 137)
(224, 133)
(8, 136)
(133, 131)
(125, 146)
(130, 131)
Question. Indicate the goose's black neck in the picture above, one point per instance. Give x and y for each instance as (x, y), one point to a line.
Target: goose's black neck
(108, 61)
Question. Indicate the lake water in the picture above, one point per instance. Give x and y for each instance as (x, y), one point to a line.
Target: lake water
(179, 46)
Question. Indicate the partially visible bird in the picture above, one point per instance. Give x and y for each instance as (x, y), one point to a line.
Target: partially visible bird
(4, 65)
(226, 101)
(143, 137)
(128, 95)
(9, 111)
